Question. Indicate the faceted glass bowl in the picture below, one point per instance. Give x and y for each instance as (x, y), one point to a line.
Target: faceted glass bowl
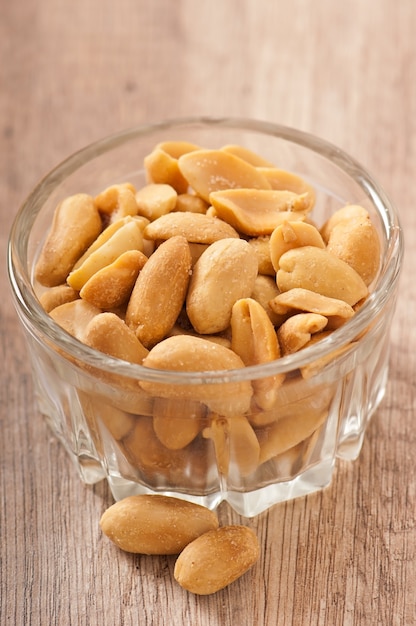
(102, 409)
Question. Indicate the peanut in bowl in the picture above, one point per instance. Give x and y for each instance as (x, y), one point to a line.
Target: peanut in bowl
(207, 305)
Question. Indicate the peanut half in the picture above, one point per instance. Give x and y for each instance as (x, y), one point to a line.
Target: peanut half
(156, 524)
(216, 559)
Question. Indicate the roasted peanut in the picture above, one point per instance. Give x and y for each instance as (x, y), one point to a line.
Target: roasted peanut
(311, 268)
(296, 332)
(236, 446)
(55, 296)
(225, 272)
(345, 214)
(177, 421)
(288, 181)
(162, 164)
(216, 559)
(265, 290)
(210, 170)
(76, 224)
(156, 524)
(74, 317)
(254, 340)
(247, 155)
(190, 203)
(291, 235)
(183, 353)
(257, 212)
(118, 201)
(109, 334)
(155, 200)
(195, 227)
(112, 285)
(261, 246)
(159, 292)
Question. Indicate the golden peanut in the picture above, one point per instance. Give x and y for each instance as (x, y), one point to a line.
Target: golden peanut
(345, 214)
(255, 341)
(127, 237)
(211, 170)
(108, 333)
(257, 212)
(356, 242)
(55, 296)
(195, 227)
(284, 180)
(177, 422)
(298, 299)
(261, 246)
(291, 235)
(311, 268)
(118, 201)
(155, 199)
(159, 292)
(296, 331)
(112, 285)
(190, 203)
(163, 168)
(74, 317)
(156, 524)
(216, 559)
(76, 224)
(224, 273)
(183, 353)
(236, 446)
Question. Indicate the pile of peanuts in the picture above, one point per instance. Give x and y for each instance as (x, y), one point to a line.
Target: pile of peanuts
(214, 264)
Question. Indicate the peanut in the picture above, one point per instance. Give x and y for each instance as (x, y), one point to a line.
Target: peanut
(195, 227)
(216, 559)
(295, 332)
(76, 224)
(156, 524)
(117, 201)
(109, 334)
(155, 200)
(225, 272)
(291, 235)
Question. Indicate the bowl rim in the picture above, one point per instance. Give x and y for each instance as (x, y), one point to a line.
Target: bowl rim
(36, 319)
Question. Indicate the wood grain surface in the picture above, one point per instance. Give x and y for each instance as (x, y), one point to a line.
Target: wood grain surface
(72, 72)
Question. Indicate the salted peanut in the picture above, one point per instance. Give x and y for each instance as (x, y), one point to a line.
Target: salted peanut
(211, 170)
(236, 446)
(254, 339)
(74, 316)
(288, 431)
(76, 224)
(55, 296)
(183, 353)
(357, 243)
(117, 201)
(290, 235)
(257, 212)
(111, 286)
(163, 168)
(220, 339)
(188, 202)
(216, 559)
(345, 214)
(298, 299)
(177, 422)
(311, 268)
(155, 199)
(261, 245)
(159, 292)
(247, 155)
(127, 237)
(265, 290)
(108, 333)
(296, 331)
(224, 273)
(282, 179)
(195, 227)
(156, 524)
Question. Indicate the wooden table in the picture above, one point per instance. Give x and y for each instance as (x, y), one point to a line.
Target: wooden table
(72, 72)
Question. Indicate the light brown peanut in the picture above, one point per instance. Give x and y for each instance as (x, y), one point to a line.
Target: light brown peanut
(296, 331)
(216, 559)
(55, 296)
(183, 353)
(211, 170)
(162, 164)
(117, 201)
(257, 212)
(154, 200)
(345, 214)
(291, 235)
(225, 272)
(261, 246)
(284, 180)
(156, 524)
(311, 268)
(247, 155)
(190, 203)
(177, 421)
(76, 224)
(108, 333)
(111, 286)
(195, 227)
(159, 292)
(74, 317)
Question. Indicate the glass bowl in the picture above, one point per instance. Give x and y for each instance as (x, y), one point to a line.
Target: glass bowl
(103, 409)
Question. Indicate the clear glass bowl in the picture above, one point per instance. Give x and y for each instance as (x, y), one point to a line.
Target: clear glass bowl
(101, 408)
